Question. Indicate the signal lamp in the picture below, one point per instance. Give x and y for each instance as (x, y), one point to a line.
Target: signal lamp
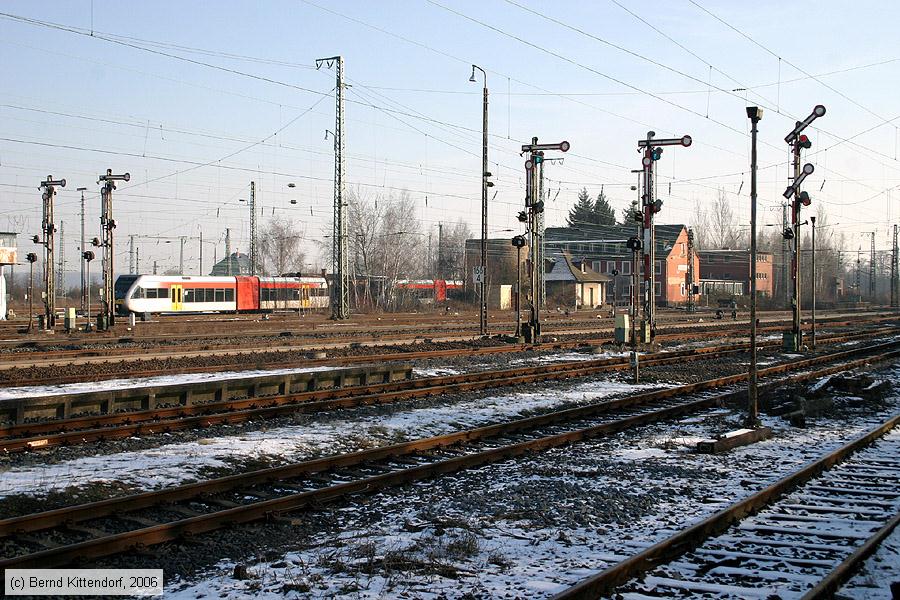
(31, 257)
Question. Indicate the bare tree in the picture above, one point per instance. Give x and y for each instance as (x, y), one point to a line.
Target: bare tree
(451, 263)
(700, 225)
(280, 247)
(385, 243)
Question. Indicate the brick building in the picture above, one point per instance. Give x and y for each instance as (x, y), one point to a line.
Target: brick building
(728, 271)
(603, 247)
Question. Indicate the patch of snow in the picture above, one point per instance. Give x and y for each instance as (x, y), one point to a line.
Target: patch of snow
(158, 380)
(176, 463)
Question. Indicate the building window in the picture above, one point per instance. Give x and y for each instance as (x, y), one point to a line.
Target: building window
(626, 267)
(682, 289)
(659, 268)
(596, 265)
(657, 289)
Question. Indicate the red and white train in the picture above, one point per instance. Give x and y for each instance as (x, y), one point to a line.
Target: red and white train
(427, 291)
(190, 294)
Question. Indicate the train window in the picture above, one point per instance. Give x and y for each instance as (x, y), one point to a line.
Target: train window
(162, 293)
(189, 295)
(229, 295)
(220, 295)
(151, 292)
(138, 292)
(210, 295)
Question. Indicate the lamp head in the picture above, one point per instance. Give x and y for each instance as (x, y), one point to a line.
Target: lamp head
(472, 77)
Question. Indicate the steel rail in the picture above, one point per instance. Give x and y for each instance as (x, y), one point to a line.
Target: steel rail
(32, 436)
(118, 425)
(829, 586)
(158, 533)
(691, 537)
(356, 359)
(131, 354)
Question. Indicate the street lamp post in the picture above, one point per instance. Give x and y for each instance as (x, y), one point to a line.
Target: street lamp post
(32, 258)
(88, 256)
(519, 242)
(755, 114)
(483, 320)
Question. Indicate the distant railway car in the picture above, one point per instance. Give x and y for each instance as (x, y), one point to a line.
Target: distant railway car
(427, 291)
(188, 294)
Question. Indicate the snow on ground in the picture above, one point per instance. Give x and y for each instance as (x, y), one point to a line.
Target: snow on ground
(873, 581)
(435, 371)
(530, 527)
(176, 463)
(158, 380)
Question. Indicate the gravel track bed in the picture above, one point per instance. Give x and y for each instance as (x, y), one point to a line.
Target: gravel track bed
(518, 529)
(66, 475)
(257, 360)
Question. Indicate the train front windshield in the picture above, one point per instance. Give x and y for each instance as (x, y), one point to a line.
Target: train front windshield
(123, 284)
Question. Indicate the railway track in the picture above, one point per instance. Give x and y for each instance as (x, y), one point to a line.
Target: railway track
(244, 358)
(118, 424)
(310, 335)
(800, 537)
(116, 525)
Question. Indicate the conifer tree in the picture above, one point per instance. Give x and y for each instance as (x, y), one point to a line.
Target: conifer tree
(583, 211)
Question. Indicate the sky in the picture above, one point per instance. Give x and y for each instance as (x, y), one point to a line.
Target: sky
(197, 99)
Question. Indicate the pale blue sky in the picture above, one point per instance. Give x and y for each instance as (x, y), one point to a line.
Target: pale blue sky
(70, 95)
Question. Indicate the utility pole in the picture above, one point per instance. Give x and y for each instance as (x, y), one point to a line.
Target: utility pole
(181, 256)
(154, 267)
(61, 265)
(137, 260)
(48, 228)
(872, 269)
(131, 254)
(894, 269)
(201, 253)
(784, 256)
(652, 150)
(253, 257)
(813, 281)
(228, 251)
(755, 114)
(107, 225)
(534, 206)
(84, 282)
(485, 184)
(858, 287)
(793, 341)
(440, 252)
(340, 297)
(690, 275)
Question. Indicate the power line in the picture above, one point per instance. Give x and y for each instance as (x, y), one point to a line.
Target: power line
(752, 40)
